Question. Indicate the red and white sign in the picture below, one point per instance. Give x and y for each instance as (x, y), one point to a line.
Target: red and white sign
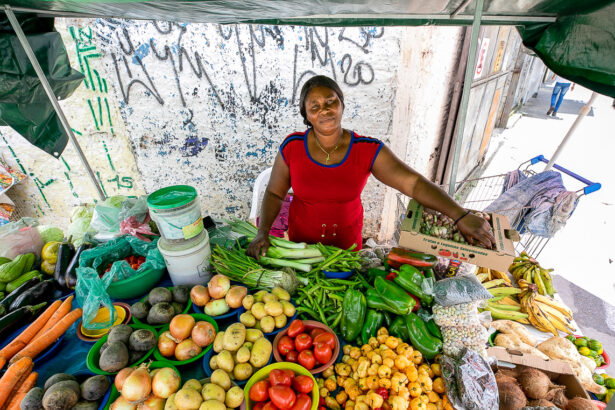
(482, 56)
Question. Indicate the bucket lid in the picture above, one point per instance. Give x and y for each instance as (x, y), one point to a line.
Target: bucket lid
(184, 247)
(172, 196)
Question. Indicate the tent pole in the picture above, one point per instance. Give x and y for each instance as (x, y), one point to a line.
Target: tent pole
(582, 113)
(465, 95)
(52, 98)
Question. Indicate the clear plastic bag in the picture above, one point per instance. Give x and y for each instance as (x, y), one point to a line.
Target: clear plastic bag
(80, 219)
(17, 238)
(464, 314)
(459, 289)
(470, 382)
(91, 294)
(456, 338)
(136, 207)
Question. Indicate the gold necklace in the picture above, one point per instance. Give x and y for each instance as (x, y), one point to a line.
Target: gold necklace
(333, 150)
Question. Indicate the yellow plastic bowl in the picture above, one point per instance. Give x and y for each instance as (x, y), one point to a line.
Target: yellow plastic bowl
(102, 316)
(264, 373)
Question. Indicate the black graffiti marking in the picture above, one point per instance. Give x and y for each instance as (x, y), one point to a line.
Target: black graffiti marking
(193, 145)
(357, 71)
(131, 48)
(126, 91)
(224, 35)
(366, 34)
(275, 34)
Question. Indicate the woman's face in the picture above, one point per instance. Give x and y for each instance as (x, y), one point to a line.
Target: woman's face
(324, 109)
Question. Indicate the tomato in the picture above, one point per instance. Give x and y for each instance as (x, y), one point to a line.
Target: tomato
(258, 406)
(269, 406)
(292, 356)
(306, 359)
(258, 392)
(303, 402)
(322, 353)
(279, 377)
(303, 384)
(383, 392)
(290, 374)
(303, 341)
(316, 331)
(295, 327)
(283, 397)
(285, 345)
(326, 338)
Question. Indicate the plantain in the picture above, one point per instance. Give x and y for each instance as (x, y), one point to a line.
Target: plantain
(537, 279)
(546, 276)
(555, 305)
(482, 277)
(504, 291)
(493, 283)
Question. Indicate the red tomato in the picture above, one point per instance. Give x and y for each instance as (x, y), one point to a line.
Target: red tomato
(303, 341)
(303, 384)
(295, 327)
(258, 406)
(303, 402)
(269, 406)
(283, 397)
(285, 345)
(322, 353)
(326, 338)
(258, 392)
(316, 331)
(278, 377)
(292, 356)
(290, 373)
(306, 359)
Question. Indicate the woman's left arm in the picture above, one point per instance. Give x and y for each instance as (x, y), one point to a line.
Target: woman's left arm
(391, 171)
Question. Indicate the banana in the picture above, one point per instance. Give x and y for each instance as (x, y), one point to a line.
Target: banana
(502, 306)
(556, 314)
(544, 319)
(537, 279)
(546, 276)
(506, 315)
(555, 305)
(527, 276)
(482, 277)
(508, 301)
(504, 291)
(500, 275)
(493, 283)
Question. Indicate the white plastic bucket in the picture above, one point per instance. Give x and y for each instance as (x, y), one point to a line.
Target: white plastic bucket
(177, 212)
(188, 264)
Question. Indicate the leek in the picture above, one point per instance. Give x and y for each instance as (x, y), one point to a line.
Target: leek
(249, 230)
(291, 263)
(285, 253)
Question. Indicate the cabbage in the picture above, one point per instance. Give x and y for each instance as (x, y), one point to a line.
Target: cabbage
(50, 233)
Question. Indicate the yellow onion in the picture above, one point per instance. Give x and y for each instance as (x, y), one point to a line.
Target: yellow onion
(120, 378)
(181, 326)
(138, 385)
(122, 404)
(199, 295)
(187, 350)
(152, 403)
(165, 382)
(167, 344)
(218, 286)
(203, 333)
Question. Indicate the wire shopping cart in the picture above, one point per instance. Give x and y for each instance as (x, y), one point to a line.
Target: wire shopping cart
(479, 193)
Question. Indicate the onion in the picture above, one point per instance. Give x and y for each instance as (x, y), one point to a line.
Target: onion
(138, 386)
(181, 326)
(122, 404)
(187, 350)
(203, 333)
(167, 344)
(165, 382)
(121, 376)
(235, 296)
(199, 295)
(152, 403)
(218, 286)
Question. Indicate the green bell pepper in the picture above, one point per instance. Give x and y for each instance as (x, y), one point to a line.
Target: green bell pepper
(433, 329)
(375, 301)
(353, 315)
(398, 329)
(373, 321)
(411, 280)
(373, 273)
(418, 334)
(394, 296)
(429, 273)
(387, 319)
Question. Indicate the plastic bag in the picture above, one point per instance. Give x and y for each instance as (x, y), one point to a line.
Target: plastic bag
(17, 238)
(136, 207)
(106, 218)
(91, 294)
(470, 382)
(463, 314)
(132, 226)
(448, 268)
(80, 222)
(460, 289)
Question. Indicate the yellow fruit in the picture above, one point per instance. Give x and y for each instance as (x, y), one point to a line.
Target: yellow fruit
(584, 351)
(50, 252)
(48, 268)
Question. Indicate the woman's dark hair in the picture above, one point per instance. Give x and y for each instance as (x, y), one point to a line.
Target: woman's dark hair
(317, 81)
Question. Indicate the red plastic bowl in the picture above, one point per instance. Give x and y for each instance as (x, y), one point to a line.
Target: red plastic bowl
(605, 356)
(309, 325)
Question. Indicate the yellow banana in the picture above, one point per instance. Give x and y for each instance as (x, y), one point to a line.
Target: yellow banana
(504, 291)
(493, 283)
(509, 301)
(555, 305)
(544, 319)
(482, 277)
(538, 281)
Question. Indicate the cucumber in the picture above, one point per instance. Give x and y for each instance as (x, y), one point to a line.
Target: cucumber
(11, 286)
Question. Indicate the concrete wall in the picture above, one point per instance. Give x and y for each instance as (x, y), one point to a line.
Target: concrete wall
(207, 105)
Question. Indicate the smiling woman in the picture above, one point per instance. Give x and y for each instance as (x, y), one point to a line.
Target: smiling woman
(328, 167)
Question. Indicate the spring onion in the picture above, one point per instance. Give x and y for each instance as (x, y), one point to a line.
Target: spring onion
(249, 230)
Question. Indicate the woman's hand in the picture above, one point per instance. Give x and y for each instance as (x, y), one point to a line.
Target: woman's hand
(259, 245)
(474, 228)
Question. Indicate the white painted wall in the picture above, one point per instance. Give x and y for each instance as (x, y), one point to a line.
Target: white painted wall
(208, 105)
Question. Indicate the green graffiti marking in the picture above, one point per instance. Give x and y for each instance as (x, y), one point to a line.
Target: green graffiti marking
(40, 186)
(122, 182)
(93, 115)
(65, 163)
(101, 183)
(108, 156)
(17, 160)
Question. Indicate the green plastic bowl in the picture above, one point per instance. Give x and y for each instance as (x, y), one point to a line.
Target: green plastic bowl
(186, 309)
(135, 286)
(264, 373)
(94, 353)
(152, 365)
(197, 317)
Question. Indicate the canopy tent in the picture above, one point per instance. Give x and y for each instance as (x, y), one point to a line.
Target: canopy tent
(574, 39)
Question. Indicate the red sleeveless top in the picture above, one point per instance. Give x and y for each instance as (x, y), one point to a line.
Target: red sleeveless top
(327, 204)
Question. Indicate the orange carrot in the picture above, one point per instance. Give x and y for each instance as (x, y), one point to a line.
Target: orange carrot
(12, 376)
(21, 381)
(44, 341)
(25, 387)
(27, 335)
(62, 311)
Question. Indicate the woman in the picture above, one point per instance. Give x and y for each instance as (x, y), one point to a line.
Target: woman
(328, 166)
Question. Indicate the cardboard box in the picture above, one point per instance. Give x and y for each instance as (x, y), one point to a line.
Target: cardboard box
(560, 372)
(499, 259)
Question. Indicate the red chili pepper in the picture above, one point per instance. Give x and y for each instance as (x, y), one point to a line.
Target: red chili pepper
(391, 275)
(384, 393)
(417, 305)
(322, 402)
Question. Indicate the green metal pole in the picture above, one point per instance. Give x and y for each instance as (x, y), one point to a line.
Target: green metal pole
(465, 95)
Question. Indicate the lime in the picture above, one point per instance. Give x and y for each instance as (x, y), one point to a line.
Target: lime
(601, 397)
(600, 351)
(598, 361)
(594, 344)
(598, 379)
(580, 342)
(571, 338)
(584, 351)
(593, 353)
(610, 383)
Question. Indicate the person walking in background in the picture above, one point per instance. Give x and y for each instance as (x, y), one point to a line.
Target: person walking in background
(559, 90)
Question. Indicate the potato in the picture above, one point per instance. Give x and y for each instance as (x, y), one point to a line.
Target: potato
(289, 308)
(221, 378)
(216, 307)
(170, 404)
(193, 384)
(91, 405)
(243, 355)
(258, 310)
(213, 392)
(280, 321)
(258, 296)
(267, 324)
(212, 405)
(269, 297)
(33, 399)
(58, 377)
(247, 302)
(61, 396)
(234, 397)
(252, 335)
(247, 319)
(248, 345)
(274, 308)
(225, 361)
(218, 345)
(234, 336)
(281, 293)
(213, 363)
(257, 326)
(242, 371)
(188, 399)
(261, 352)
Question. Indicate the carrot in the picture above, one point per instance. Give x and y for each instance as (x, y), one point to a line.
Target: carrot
(44, 341)
(62, 311)
(25, 387)
(12, 376)
(27, 335)
(21, 381)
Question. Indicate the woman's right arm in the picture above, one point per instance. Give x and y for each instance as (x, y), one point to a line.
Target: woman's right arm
(279, 184)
